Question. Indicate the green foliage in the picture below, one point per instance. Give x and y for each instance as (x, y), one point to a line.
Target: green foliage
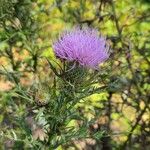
(49, 104)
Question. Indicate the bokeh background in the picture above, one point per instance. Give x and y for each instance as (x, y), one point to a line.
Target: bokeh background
(27, 31)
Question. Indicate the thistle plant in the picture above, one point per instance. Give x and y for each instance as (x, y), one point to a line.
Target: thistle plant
(80, 51)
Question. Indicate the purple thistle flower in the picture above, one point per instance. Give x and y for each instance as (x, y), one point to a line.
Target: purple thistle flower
(84, 46)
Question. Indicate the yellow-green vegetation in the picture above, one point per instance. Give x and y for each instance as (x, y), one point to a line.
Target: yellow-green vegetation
(115, 117)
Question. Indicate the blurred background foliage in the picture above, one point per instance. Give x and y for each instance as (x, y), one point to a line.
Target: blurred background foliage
(27, 30)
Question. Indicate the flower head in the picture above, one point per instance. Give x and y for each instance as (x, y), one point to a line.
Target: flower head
(84, 46)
